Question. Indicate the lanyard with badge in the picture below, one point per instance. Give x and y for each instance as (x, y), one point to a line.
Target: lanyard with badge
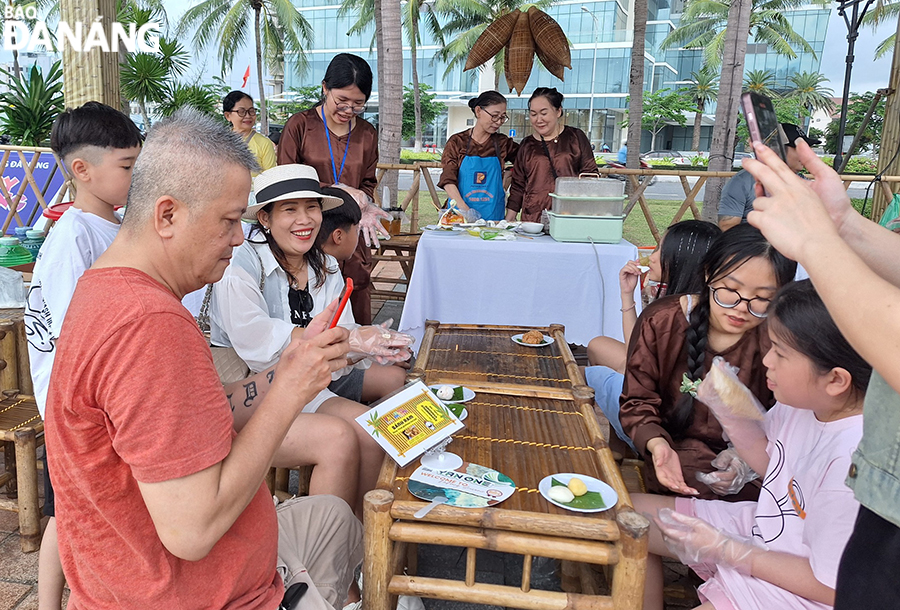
(334, 171)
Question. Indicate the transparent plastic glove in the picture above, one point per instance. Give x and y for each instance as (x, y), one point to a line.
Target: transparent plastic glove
(731, 474)
(370, 225)
(696, 541)
(380, 343)
(735, 406)
(472, 215)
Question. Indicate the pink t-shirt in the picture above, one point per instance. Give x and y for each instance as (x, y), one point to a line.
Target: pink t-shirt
(804, 508)
(134, 396)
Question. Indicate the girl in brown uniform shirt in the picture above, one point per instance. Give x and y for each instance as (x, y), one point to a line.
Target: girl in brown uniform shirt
(553, 150)
(343, 148)
(679, 336)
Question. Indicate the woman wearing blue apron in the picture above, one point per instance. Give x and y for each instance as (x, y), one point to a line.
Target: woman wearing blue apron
(474, 160)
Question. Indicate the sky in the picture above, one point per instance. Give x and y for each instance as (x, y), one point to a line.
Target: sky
(868, 74)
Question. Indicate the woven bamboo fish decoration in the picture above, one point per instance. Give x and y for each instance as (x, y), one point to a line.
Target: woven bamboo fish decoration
(523, 35)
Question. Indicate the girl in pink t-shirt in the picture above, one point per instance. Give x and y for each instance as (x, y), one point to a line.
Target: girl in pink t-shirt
(782, 551)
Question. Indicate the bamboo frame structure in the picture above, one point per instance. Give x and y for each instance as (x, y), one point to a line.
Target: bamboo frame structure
(14, 196)
(691, 191)
(549, 426)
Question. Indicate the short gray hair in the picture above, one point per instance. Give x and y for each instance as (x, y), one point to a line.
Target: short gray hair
(184, 156)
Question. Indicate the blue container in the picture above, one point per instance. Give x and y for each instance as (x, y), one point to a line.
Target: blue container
(34, 239)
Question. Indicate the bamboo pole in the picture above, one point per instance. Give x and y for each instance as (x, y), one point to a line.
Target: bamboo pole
(512, 597)
(505, 542)
(526, 573)
(9, 369)
(471, 553)
(631, 571)
(564, 526)
(376, 567)
(435, 199)
(29, 507)
(888, 159)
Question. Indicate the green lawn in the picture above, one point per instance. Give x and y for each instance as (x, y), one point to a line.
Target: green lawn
(636, 230)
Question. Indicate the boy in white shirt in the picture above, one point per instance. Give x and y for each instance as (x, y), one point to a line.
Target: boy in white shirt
(98, 145)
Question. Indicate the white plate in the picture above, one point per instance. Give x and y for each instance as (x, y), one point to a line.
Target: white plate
(439, 230)
(548, 340)
(467, 393)
(609, 495)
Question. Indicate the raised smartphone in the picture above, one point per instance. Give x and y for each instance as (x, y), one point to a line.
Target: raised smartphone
(763, 122)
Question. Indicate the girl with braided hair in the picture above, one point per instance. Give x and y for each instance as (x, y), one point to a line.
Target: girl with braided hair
(672, 347)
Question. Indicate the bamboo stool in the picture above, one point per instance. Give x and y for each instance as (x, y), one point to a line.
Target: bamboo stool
(532, 416)
(22, 431)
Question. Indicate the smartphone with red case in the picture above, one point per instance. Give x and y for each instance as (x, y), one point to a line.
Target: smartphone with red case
(337, 315)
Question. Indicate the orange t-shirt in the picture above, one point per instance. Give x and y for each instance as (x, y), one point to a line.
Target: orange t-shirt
(134, 396)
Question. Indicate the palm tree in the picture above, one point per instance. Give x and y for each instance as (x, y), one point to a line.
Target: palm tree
(883, 10)
(703, 26)
(412, 13)
(810, 93)
(760, 81)
(277, 27)
(145, 77)
(704, 88)
(467, 19)
(390, 85)
(636, 87)
(734, 49)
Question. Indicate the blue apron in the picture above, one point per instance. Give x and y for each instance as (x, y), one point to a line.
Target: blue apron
(480, 182)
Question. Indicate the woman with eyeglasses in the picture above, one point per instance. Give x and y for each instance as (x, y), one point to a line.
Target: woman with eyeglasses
(279, 280)
(553, 150)
(474, 160)
(672, 348)
(333, 138)
(239, 110)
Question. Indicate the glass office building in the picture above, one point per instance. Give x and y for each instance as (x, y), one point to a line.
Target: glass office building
(600, 32)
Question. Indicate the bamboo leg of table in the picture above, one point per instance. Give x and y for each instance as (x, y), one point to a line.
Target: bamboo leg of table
(9, 373)
(377, 565)
(29, 506)
(631, 570)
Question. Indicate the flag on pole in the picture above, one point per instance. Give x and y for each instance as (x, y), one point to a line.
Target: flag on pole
(246, 76)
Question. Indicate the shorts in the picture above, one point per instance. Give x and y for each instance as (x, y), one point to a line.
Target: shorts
(607, 385)
(350, 386)
(49, 508)
(867, 576)
(319, 543)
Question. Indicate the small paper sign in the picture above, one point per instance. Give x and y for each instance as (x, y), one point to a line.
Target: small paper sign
(409, 423)
(465, 482)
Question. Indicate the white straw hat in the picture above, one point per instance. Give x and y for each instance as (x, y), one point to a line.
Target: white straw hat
(284, 182)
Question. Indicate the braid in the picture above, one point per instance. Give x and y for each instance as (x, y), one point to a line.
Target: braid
(695, 345)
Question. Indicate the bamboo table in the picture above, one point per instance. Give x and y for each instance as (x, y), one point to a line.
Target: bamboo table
(532, 416)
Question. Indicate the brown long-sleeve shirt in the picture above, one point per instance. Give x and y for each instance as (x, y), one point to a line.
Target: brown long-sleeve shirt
(303, 140)
(455, 152)
(657, 359)
(532, 179)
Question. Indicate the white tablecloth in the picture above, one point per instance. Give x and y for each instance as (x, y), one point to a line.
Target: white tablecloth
(460, 279)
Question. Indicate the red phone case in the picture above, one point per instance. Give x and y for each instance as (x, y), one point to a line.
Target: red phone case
(342, 304)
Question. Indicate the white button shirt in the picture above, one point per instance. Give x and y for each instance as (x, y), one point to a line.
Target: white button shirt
(258, 324)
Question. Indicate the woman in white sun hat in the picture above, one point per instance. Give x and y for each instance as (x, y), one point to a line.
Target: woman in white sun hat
(278, 281)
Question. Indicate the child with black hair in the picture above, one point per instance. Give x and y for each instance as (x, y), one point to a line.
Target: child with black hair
(782, 551)
(675, 265)
(339, 231)
(673, 344)
(98, 145)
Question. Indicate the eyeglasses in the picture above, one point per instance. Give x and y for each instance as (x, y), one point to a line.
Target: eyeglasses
(345, 107)
(242, 112)
(495, 117)
(301, 304)
(729, 299)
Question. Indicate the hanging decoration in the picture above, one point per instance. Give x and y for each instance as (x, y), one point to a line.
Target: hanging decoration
(522, 35)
